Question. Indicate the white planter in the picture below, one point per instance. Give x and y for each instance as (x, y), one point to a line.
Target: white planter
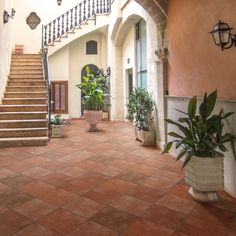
(146, 137)
(93, 117)
(56, 131)
(205, 175)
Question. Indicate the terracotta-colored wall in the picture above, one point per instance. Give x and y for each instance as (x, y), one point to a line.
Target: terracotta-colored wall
(196, 65)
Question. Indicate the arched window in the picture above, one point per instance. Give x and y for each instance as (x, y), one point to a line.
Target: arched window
(91, 47)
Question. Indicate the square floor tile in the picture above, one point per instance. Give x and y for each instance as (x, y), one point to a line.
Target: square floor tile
(85, 207)
(36, 188)
(72, 171)
(103, 195)
(62, 221)
(35, 230)
(159, 184)
(131, 205)
(90, 228)
(35, 208)
(58, 197)
(176, 203)
(37, 172)
(56, 179)
(4, 172)
(4, 188)
(14, 198)
(114, 219)
(164, 216)
(16, 180)
(11, 222)
(142, 227)
(145, 193)
(119, 185)
(132, 176)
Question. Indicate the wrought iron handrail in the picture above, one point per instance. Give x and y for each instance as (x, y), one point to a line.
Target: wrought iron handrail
(73, 18)
(48, 83)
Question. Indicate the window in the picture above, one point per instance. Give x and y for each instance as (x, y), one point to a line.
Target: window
(91, 47)
(141, 53)
(59, 94)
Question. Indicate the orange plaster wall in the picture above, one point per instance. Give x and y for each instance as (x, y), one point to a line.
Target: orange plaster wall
(196, 65)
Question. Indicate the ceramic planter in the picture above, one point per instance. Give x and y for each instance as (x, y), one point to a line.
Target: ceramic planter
(146, 137)
(93, 117)
(205, 175)
(56, 131)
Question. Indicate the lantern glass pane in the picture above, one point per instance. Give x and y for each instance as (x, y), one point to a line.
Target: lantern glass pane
(216, 37)
(224, 35)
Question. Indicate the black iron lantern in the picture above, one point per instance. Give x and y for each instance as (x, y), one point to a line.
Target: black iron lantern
(108, 70)
(59, 2)
(222, 35)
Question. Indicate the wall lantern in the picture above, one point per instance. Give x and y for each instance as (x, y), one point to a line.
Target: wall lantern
(6, 15)
(59, 2)
(222, 35)
(108, 70)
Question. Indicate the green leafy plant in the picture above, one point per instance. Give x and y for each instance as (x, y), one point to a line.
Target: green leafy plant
(201, 135)
(140, 109)
(57, 120)
(92, 89)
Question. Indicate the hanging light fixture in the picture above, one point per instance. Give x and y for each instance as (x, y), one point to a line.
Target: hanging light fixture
(59, 2)
(222, 35)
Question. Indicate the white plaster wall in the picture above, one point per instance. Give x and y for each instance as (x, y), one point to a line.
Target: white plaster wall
(77, 59)
(47, 10)
(174, 103)
(5, 44)
(128, 52)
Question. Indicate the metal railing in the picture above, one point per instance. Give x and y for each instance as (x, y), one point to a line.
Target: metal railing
(73, 18)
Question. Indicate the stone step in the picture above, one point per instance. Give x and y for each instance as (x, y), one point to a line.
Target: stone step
(25, 107)
(23, 141)
(23, 132)
(26, 72)
(26, 67)
(26, 63)
(26, 83)
(21, 101)
(23, 115)
(24, 94)
(25, 88)
(25, 80)
(26, 76)
(23, 123)
(30, 56)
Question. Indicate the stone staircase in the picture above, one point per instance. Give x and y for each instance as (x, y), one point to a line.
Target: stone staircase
(23, 112)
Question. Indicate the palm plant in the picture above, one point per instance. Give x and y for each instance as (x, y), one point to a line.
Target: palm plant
(92, 90)
(201, 135)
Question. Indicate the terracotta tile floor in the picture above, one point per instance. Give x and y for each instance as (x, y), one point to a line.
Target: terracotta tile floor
(102, 184)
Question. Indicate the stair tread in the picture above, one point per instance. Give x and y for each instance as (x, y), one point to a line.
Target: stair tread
(24, 105)
(24, 138)
(22, 112)
(22, 129)
(25, 92)
(21, 121)
(23, 98)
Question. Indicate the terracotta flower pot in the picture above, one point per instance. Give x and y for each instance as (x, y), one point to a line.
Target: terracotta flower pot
(93, 117)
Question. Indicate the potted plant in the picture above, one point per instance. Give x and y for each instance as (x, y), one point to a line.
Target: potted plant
(92, 99)
(202, 145)
(57, 123)
(140, 111)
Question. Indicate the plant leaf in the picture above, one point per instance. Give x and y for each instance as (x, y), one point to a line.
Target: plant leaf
(181, 154)
(175, 135)
(192, 107)
(188, 158)
(167, 147)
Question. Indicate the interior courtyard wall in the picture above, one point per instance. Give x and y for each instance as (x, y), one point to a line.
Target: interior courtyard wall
(197, 65)
(5, 44)
(46, 10)
(155, 80)
(77, 60)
